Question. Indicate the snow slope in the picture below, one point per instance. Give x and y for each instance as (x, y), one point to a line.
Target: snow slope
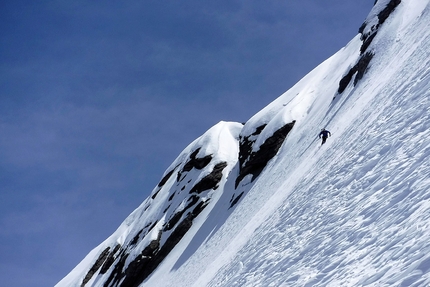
(353, 212)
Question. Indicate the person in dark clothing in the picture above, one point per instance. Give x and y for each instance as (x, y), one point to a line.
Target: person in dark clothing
(324, 134)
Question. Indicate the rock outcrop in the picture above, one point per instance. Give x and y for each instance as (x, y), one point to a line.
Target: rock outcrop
(253, 162)
(368, 32)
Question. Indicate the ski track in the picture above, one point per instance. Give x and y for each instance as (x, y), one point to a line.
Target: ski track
(364, 218)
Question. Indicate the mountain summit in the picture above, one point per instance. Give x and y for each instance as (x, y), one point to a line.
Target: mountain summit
(265, 204)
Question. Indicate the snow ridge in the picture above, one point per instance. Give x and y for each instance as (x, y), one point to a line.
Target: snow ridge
(352, 212)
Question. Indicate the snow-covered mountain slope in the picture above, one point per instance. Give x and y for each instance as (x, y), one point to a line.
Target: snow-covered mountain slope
(264, 204)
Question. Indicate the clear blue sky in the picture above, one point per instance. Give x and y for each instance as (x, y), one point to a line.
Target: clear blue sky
(97, 98)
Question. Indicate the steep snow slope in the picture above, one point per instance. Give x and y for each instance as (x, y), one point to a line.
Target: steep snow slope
(353, 212)
(189, 187)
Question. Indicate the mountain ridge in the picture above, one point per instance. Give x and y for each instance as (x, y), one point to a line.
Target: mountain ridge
(192, 212)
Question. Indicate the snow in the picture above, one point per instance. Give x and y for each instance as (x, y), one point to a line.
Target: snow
(353, 212)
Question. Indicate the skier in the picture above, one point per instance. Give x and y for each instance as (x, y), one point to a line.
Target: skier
(324, 134)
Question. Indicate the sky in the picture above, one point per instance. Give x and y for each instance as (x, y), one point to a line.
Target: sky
(98, 98)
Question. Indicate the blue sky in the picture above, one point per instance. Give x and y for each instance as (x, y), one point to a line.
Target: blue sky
(97, 98)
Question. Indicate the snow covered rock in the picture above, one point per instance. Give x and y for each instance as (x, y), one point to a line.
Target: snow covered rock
(380, 12)
(150, 233)
(264, 204)
(253, 162)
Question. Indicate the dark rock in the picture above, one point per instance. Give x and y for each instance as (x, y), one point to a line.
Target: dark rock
(166, 178)
(191, 201)
(143, 265)
(199, 208)
(155, 194)
(382, 16)
(361, 29)
(386, 12)
(172, 196)
(367, 38)
(359, 69)
(152, 255)
(245, 144)
(194, 162)
(254, 162)
(178, 177)
(258, 130)
(96, 266)
(211, 180)
(173, 220)
(117, 275)
(366, 43)
(344, 82)
(153, 225)
(147, 225)
(177, 216)
(110, 260)
(197, 163)
(362, 66)
(234, 201)
(121, 277)
(136, 238)
(140, 266)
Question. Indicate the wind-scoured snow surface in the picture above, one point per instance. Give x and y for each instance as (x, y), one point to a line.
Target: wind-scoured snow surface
(353, 212)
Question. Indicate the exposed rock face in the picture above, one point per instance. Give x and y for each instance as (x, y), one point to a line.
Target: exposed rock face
(96, 266)
(121, 277)
(177, 216)
(166, 178)
(139, 266)
(368, 33)
(211, 180)
(386, 12)
(150, 257)
(154, 253)
(116, 274)
(136, 238)
(105, 261)
(234, 200)
(110, 260)
(254, 162)
(366, 42)
(246, 143)
(150, 233)
(197, 163)
(358, 70)
(367, 36)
